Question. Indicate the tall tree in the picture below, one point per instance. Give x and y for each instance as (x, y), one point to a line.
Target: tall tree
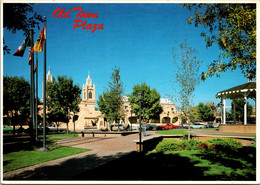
(16, 96)
(233, 28)
(186, 76)
(19, 16)
(63, 98)
(150, 102)
(110, 102)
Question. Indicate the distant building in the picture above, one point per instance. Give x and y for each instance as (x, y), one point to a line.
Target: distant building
(89, 117)
(169, 112)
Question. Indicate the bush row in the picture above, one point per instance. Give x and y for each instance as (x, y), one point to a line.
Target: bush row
(211, 144)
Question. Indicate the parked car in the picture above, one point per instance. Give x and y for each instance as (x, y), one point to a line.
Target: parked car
(7, 129)
(167, 126)
(197, 126)
(150, 127)
(185, 126)
(209, 125)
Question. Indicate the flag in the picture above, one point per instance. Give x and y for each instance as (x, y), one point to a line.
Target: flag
(20, 51)
(39, 43)
(35, 68)
(30, 55)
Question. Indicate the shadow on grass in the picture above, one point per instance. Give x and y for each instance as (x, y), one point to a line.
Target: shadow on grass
(242, 161)
(62, 171)
(156, 166)
(18, 143)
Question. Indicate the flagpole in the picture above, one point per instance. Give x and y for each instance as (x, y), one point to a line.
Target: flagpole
(44, 148)
(32, 87)
(36, 100)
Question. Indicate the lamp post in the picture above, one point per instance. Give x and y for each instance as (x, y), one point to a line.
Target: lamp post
(74, 120)
(140, 126)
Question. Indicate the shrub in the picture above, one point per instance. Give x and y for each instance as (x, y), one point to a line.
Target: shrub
(225, 144)
(176, 145)
(169, 145)
(191, 144)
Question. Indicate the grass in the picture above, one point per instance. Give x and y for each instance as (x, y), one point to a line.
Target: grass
(192, 165)
(171, 132)
(62, 135)
(21, 154)
(222, 165)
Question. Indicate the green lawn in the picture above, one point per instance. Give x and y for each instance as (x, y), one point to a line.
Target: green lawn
(62, 135)
(192, 165)
(222, 166)
(21, 154)
(172, 132)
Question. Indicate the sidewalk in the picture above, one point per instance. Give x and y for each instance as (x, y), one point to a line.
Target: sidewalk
(103, 150)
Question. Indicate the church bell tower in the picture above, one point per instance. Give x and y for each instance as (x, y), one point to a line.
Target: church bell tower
(88, 94)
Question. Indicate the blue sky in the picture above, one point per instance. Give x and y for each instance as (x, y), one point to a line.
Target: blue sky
(138, 38)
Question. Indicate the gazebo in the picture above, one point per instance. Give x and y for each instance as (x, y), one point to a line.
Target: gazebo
(245, 91)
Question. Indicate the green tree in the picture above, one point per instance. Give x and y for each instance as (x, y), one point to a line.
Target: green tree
(16, 96)
(233, 28)
(57, 115)
(151, 108)
(19, 16)
(205, 112)
(63, 98)
(186, 76)
(110, 102)
(239, 109)
(194, 114)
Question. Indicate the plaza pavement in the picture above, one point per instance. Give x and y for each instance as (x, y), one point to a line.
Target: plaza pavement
(103, 149)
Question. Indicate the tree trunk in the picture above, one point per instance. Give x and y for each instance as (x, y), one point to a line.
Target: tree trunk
(57, 124)
(13, 125)
(67, 127)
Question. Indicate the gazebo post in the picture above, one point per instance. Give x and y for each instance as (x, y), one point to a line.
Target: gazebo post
(245, 110)
(224, 111)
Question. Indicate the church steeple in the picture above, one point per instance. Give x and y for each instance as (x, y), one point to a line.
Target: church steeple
(49, 77)
(88, 91)
(89, 81)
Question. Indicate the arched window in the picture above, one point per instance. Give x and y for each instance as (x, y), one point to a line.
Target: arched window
(90, 95)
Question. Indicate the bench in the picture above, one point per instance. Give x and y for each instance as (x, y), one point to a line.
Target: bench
(148, 143)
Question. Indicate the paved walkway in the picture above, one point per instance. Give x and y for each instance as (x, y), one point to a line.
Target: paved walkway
(104, 149)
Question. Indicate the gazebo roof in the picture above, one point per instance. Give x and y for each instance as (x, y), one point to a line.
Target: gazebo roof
(248, 89)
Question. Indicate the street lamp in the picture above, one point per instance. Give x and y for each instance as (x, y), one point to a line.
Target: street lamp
(74, 120)
(140, 127)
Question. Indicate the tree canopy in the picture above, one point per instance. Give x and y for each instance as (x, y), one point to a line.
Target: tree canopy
(63, 98)
(20, 16)
(205, 112)
(110, 102)
(16, 96)
(233, 28)
(150, 102)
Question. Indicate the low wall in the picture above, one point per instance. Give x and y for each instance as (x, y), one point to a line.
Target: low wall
(245, 129)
